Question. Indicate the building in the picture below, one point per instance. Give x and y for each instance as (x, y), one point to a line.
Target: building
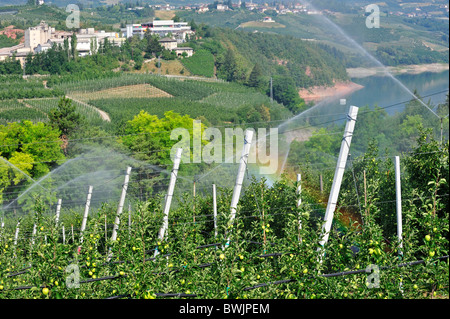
(38, 35)
(172, 45)
(189, 51)
(168, 43)
(42, 47)
(203, 9)
(221, 7)
(160, 27)
(42, 37)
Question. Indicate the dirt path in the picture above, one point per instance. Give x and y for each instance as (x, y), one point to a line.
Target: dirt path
(103, 114)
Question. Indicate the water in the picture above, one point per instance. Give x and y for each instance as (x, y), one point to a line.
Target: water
(365, 53)
(17, 169)
(101, 168)
(425, 83)
(381, 91)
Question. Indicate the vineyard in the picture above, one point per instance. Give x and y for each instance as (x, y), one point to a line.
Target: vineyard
(156, 94)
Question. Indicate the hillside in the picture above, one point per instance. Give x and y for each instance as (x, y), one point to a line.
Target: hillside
(308, 64)
(399, 40)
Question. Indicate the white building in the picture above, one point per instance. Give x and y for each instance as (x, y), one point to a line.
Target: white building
(267, 19)
(160, 27)
(38, 35)
(189, 51)
(168, 43)
(203, 9)
(222, 7)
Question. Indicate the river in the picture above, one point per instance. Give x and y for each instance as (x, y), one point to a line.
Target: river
(381, 91)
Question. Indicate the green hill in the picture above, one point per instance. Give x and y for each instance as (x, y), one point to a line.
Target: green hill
(307, 63)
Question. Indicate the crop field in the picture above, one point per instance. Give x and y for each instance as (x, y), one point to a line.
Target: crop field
(134, 91)
(14, 110)
(262, 253)
(233, 100)
(201, 63)
(37, 110)
(262, 25)
(125, 96)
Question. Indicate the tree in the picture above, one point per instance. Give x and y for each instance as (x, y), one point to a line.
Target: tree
(428, 162)
(40, 141)
(285, 92)
(229, 3)
(153, 47)
(255, 79)
(138, 59)
(73, 44)
(231, 68)
(66, 48)
(143, 139)
(64, 117)
(193, 25)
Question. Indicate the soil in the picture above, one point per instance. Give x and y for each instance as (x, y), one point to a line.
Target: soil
(318, 93)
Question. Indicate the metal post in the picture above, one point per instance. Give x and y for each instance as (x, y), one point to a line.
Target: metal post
(129, 218)
(321, 183)
(338, 175)
(16, 236)
(240, 176)
(299, 202)
(85, 216)
(194, 202)
(33, 234)
(58, 211)
(173, 179)
(215, 210)
(398, 195)
(365, 196)
(2, 230)
(121, 203)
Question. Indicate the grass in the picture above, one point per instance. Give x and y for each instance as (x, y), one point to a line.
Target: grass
(165, 14)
